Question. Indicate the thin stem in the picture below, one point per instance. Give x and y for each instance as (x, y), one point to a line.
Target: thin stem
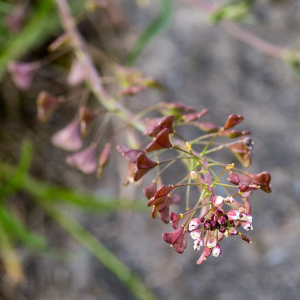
(242, 34)
(210, 142)
(93, 78)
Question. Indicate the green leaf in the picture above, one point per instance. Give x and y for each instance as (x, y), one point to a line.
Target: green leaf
(15, 181)
(14, 227)
(151, 31)
(233, 12)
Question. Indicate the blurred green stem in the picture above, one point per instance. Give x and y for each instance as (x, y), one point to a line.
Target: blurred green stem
(43, 22)
(108, 259)
(151, 31)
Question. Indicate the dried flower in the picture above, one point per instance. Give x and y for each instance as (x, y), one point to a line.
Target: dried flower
(177, 239)
(86, 116)
(103, 159)
(46, 103)
(68, 138)
(233, 120)
(84, 160)
(22, 73)
(162, 141)
(155, 126)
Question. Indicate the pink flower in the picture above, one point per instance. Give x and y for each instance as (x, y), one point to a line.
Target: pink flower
(22, 73)
(198, 243)
(212, 242)
(68, 138)
(233, 214)
(246, 225)
(84, 160)
(196, 234)
(216, 251)
(194, 224)
(46, 103)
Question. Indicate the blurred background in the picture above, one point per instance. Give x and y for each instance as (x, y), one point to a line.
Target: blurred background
(44, 256)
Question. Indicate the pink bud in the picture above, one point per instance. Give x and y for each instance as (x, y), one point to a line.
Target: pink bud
(193, 175)
(218, 200)
(216, 251)
(232, 231)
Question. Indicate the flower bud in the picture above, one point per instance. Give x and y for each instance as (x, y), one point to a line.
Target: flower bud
(193, 175)
(216, 251)
(233, 120)
(218, 200)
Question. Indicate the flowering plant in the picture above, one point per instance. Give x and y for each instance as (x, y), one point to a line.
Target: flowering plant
(223, 206)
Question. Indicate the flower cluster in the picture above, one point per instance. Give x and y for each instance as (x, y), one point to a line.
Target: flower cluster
(218, 216)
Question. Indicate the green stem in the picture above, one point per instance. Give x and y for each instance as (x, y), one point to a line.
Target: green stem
(154, 28)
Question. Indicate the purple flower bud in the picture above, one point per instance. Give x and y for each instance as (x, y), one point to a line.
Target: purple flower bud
(219, 212)
(222, 229)
(221, 220)
(213, 225)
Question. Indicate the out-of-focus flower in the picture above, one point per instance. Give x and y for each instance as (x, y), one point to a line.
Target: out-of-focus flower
(22, 73)
(15, 21)
(86, 116)
(68, 138)
(46, 103)
(103, 159)
(84, 160)
(77, 73)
